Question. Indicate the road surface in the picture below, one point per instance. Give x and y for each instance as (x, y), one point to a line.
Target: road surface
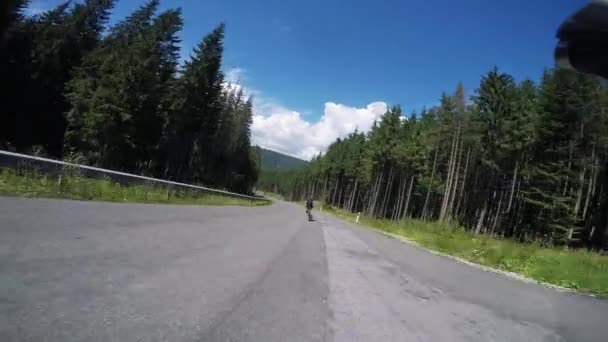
(86, 271)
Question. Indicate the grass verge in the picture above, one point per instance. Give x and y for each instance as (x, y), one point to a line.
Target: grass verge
(575, 269)
(270, 195)
(31, 184)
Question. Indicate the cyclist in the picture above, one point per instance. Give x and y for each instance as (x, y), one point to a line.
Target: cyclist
(309, 206)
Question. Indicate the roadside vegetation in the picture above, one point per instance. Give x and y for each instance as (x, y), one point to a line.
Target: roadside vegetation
(115, 93)
(30, 184)
(270, 195)
(575, 269)
(513, 177)
(519, 159)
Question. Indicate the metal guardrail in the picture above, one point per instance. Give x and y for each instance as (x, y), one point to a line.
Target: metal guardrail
(56, 167)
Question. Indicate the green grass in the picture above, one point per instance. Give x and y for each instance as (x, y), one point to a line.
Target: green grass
(271, 195)
(31, 184)
(575, 269)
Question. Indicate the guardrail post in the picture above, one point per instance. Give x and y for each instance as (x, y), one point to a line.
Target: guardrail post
(357, 219)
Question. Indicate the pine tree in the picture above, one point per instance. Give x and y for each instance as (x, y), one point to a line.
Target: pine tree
(112, 96)
(519, 161)
(16, 40)
(118, 96)
(197, 111)
(494, 102)
(11, 14)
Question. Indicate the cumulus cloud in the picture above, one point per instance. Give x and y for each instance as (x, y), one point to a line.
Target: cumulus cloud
(281, 129)
(286, 131)
(234, 76)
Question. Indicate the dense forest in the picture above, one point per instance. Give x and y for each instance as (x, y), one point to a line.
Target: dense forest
(519, 160)
(116, 96)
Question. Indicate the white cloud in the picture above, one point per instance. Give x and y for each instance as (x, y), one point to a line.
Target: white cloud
(279, 128)
(286, 131)
(234, 79)
(235, 76)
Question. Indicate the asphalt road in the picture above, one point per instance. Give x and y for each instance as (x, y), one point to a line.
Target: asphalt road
(86, 271)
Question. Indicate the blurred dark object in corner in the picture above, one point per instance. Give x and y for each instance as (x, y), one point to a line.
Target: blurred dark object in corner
(583, 46)
(583, 40)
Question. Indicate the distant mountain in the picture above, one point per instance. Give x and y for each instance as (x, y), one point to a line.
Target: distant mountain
(272, 160)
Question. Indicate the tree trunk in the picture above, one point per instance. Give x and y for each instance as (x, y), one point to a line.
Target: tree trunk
(482, 216)
(598, 235)
(519, 213)
(428, 192)
(577, 205)
(374, 198)
(513, 186)
(375, 202)
(354, 196)
(355, 202)
(409, 196)
(370, 195)
(325, 188)
(333, 197)
(568, 172)
(464, 180)
(365, 200)
(390, 201)
(497, 214)
(455, 178)
(448, 182)
(592, 181)
(387, 192)
(397, 207)
(349, 198)
(579, 193)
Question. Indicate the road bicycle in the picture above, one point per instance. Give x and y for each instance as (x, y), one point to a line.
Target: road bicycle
(309, 213)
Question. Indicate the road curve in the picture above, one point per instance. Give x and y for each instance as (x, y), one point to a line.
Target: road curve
(92, 271)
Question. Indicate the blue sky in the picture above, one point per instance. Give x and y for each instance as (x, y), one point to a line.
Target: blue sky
(300, 58)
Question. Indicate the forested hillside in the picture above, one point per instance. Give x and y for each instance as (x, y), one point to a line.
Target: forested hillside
(519, 160)
(116, 97)
(272, 160)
